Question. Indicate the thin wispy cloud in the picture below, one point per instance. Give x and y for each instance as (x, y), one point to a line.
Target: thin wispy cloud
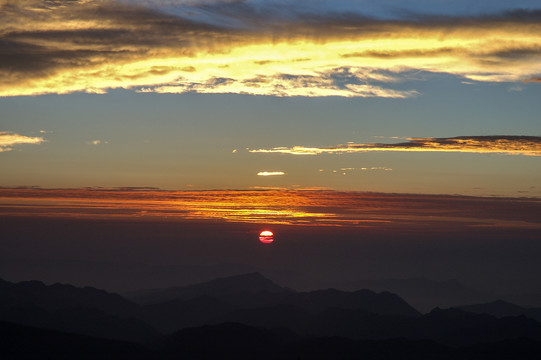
(10, 139)
(93, 46)
(513, 145)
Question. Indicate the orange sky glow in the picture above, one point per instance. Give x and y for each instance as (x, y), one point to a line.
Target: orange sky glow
(313, 208)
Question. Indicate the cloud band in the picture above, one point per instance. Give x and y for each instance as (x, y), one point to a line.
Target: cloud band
(66, 46)
(514, 145)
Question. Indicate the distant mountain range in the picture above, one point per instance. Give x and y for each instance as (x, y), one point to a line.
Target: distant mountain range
(422, 293)
(232, 288)
(252, 316)
(500, 309)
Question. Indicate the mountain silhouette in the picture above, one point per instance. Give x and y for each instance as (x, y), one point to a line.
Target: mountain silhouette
(59, 296)
(500, 308)
(227, 341)
(422, 293)
(239, 341)
(253, 299)
(68, 308)
(452, 326)
(383, 303)
(250, 317)
(243, 342)
(255, 291)
(25, 342)
(178, 314)
(529, 300)
(459, 327)
(232, 289)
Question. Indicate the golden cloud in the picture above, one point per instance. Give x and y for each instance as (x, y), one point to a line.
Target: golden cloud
(514, 145)
(66, 46)
(9, 139)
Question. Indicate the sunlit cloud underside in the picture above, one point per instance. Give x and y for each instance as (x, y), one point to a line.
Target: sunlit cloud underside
(271, 173)
(302, 208)
(512, 145)
(93, 46)
(10, 139)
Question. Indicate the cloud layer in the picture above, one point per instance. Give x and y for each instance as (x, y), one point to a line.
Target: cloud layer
(316, 208)
(65, 46)
(513, 145)
(9, 139)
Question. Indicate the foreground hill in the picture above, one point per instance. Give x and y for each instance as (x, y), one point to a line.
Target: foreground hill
(240, 342)
(25, 342)
(237, 341)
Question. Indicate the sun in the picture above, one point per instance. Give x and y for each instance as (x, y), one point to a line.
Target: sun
(266, 237)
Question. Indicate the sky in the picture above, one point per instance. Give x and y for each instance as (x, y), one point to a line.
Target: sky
(391, 122)
(130, 239)
(344, 95)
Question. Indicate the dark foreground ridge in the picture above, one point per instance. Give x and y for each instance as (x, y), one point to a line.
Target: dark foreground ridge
(237, 341)
(250, 317)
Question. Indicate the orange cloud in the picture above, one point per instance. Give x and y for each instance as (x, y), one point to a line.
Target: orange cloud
(97, 45)
(310, 207)
(9, 139)
(514, 145)
(533, 79)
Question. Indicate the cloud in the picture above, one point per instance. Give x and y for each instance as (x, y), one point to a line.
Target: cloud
(271, 173)
(9, 139)
(505, 144)
(533, 79)
(282, 85)
(97, 142)
(66, 46)
(275, 206)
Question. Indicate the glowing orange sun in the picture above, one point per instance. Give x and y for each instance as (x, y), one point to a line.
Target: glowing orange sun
(266, 237)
